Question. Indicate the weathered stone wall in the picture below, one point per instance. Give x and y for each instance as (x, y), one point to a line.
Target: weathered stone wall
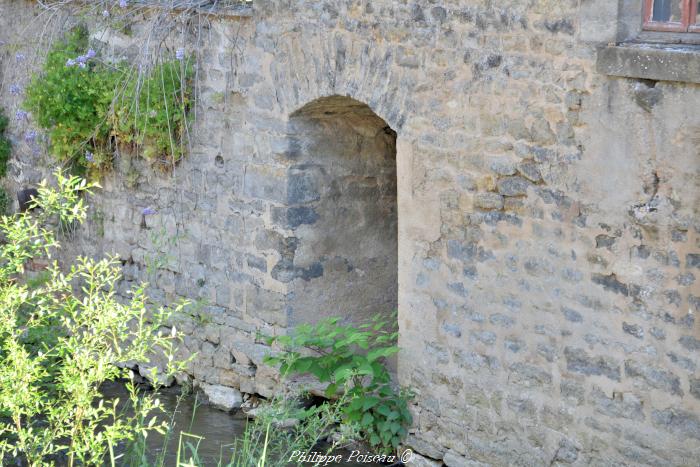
(548, 224)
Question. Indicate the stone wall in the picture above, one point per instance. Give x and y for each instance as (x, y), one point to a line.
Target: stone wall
(548, 224)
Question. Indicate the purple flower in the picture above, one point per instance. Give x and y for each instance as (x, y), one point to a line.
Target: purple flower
(70, 62)
(105, 14)
(15, 89)
(21, 115)
(148, 211)
(89, 156)
(19, 57)
(90, 53)
(81, 59)
(30, 136)
(122, 3)
(82, 65)
(180, 54)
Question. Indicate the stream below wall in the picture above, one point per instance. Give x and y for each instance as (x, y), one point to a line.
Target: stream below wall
(217, 428)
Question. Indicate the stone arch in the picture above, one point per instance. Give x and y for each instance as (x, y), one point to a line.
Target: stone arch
(342, 211)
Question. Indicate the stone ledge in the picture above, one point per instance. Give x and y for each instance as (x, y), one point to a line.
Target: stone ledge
(661, 62)
(222, 8)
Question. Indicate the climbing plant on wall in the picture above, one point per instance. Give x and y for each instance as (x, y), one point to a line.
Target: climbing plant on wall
(91, 107)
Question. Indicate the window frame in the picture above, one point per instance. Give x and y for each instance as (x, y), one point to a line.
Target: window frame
(689, 11)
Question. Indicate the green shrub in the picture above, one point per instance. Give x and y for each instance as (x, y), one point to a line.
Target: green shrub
(73, 103)
(5, 144)
(5, 201)
(89, 106)
(60, 338)
(353, 361)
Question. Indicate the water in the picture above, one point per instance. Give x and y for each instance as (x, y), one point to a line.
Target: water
(218, 429)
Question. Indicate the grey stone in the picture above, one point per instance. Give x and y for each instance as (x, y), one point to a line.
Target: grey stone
(572, 315)
(295, 216)
(567, 451)
(488, 201)
(677, 421)
(685, 279)
(655, 63)
(647, 96)
(619, 406)
(513, 186)
(514, 345)
(695, 387)
(578, 361)
(683, 362)
(529, 375)
(302, 186)
(547, 351)
(604, 241)
(690, 343)
(222, 397)
(452, 330)
(573, 391)
(633, 330)
(424, 447)
(655, 377)
(418, 460)
(475, 361)
(611, 283)
(454, 459)
(499, 319)
(692, 260)
(530, 170)
(658, 333)
(467, 251)
(522, 405)
(485, 337)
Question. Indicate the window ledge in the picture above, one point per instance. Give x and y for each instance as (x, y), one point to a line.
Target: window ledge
(660, 62)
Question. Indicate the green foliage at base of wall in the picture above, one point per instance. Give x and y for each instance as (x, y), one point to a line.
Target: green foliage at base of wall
(352, 360)
(91, 107)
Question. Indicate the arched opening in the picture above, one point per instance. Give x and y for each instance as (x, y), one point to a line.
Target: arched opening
(342, 209)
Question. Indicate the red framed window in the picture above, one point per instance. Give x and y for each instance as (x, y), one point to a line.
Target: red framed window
(672, 15)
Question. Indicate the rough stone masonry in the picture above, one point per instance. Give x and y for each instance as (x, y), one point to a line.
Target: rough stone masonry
(535, 221)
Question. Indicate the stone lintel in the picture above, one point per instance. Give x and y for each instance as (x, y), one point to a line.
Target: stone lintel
(660, 62)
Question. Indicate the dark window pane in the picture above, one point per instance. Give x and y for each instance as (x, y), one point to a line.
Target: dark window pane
(667, 11)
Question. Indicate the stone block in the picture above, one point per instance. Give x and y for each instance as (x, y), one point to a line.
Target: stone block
(654, 377)
(578, 361)
(513, 186)
(488, 201)
(222, 397)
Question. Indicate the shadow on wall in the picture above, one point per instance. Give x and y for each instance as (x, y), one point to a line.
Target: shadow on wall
(342, 209)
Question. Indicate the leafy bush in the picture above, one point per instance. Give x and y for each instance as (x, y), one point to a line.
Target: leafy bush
(73, 103)
(5, 201)
(89, 106)
(60, 338)
(5, 144)
(353, 361)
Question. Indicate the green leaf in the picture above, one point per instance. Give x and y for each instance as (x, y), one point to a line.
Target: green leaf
(369, 402)
(331, 390)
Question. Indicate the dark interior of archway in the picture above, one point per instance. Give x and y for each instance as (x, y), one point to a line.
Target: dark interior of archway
(342, 185)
